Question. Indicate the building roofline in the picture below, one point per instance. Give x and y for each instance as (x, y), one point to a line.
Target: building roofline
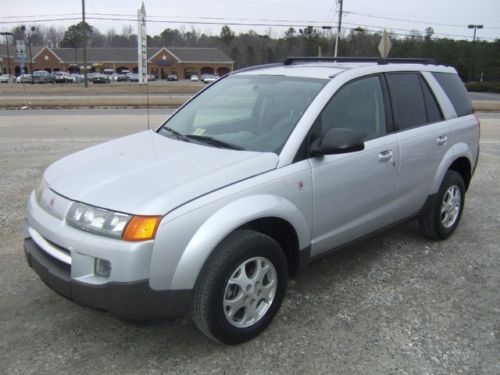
(163, 49)
(51, 50)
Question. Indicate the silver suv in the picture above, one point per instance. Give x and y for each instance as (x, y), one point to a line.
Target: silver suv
(262, 172)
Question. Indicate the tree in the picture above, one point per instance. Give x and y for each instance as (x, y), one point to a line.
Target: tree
(429, 32)
(171, 37)
(74, 36)
(226, 35)
(311, 40)
(251, 59)
(235, 56)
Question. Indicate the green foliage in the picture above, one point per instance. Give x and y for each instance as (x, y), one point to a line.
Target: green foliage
(483, 86)
(251, 47)
(251, 58)
(226, 35)
(236, 57)
(74, 36)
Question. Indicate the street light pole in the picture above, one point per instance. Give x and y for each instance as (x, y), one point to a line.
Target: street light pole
(6, 34)
(475, 27)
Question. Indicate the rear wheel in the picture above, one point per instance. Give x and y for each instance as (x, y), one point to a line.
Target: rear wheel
(444, 214)
(241, 288)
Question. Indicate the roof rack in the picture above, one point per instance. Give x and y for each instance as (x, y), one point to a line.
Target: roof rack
(256, 67)
(378, 60)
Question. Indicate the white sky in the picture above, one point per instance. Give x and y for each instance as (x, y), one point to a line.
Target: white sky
(444, 16)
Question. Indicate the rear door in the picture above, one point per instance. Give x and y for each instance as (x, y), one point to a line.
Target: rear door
(423, 137)
(353, 193)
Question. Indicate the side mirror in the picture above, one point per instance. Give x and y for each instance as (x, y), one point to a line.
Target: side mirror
(337, 141)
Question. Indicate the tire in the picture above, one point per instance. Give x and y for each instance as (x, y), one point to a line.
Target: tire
(233, 310)
(442, 218)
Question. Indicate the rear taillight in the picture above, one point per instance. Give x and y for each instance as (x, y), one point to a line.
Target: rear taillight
(478, 126)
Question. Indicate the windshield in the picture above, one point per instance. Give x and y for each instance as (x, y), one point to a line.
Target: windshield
(255, 113)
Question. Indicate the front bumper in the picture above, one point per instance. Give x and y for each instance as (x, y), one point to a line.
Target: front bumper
(126, 300)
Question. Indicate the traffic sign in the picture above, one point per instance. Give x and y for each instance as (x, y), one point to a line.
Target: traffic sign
(385, 45)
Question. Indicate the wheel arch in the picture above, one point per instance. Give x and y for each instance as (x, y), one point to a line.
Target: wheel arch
(268, 214)
(285, 235)
(463, 167)
(458, 158)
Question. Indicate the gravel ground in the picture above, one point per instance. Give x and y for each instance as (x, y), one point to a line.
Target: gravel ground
(396, 304)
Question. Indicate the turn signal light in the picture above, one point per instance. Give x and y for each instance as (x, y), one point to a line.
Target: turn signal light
(141, 228)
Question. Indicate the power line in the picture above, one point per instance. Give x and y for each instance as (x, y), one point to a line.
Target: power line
(229, 22)
(413, 21)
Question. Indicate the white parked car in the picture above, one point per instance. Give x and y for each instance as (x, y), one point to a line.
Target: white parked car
(209, 78)
(6, 78)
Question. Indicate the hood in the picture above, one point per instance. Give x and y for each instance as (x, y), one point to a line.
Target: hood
(131, 173)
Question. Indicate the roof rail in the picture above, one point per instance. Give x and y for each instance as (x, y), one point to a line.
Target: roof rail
(255, 67)
(378, 60)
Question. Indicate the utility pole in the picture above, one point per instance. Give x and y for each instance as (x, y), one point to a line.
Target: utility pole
(475, 27)
(6, 34)
(84, 25)
(339, 27)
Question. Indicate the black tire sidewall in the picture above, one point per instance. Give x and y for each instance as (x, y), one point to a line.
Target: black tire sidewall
(451, 178)
(255, 245)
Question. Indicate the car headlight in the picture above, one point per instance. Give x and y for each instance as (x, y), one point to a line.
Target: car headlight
(42, 185)
(112, 224)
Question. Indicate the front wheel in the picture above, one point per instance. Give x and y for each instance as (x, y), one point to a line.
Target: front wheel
(444, 214)
(241, 288)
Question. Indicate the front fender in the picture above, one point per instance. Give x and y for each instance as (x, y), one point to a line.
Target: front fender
(226, 220)
(456, 151)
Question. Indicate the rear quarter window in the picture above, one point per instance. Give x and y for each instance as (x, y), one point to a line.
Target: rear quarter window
(456, 92)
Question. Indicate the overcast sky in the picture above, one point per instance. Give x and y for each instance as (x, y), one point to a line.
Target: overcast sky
(448, 18)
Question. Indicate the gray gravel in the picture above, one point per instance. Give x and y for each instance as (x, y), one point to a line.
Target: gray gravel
(397, 304)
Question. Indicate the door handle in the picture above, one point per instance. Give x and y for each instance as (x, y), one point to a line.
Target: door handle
(441, 140)
(385, 155)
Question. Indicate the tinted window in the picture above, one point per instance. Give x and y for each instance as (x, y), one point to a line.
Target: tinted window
(359, 106)
(407, 100)
(433, 111)
(455, 89)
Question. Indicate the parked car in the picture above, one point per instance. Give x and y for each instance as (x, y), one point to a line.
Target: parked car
(263, 172)
(24, 78)
(6, 78)
(77, 77)
(121, 78)
(63, 77)
(172, 77)
(209, 78)
(133, 77)
(151, 77)
(42, 76)
(194, 78)
(101, 78)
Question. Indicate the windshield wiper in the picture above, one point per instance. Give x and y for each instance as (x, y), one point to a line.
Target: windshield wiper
(180, 136)
(213, 141)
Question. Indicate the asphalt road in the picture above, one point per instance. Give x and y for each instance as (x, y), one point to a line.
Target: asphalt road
(396, 304)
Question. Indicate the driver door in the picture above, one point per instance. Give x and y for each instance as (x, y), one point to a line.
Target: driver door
(355, 193)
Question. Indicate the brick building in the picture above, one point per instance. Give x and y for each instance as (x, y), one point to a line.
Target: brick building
(181, 61)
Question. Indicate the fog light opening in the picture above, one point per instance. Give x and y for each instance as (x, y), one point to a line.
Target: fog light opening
(102, 267)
